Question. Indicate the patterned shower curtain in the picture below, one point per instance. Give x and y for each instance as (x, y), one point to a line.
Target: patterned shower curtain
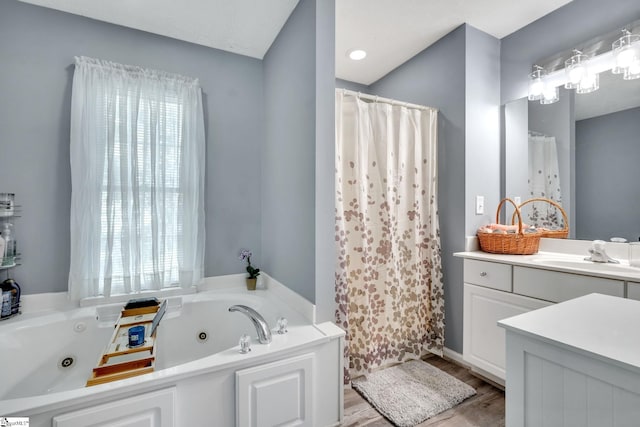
(544, 181)
(389, 272)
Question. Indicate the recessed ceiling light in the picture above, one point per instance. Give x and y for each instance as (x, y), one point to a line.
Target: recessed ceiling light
(357, 54)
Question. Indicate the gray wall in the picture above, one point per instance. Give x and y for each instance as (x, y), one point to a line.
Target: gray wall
(516, 150)
(288, 174)
(459, 75)
(325, 160)
(37, 47)
(482, 127)
(563, 29)
(346, 84)
(436, 78)
(608, 147)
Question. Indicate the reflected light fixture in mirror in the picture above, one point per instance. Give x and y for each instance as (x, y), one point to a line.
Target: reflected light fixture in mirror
(582, 72)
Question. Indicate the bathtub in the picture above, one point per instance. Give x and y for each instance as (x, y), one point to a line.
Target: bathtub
(200, 377)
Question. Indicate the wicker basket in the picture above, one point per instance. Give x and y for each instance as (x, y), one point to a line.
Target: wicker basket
(554, 234)
(518, 243)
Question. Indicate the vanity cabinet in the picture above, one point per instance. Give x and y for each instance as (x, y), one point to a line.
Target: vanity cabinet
(494, 291)
(555, 286)
(484, 342)
(633, 290)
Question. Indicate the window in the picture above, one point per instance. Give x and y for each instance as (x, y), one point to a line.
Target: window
(137, 153)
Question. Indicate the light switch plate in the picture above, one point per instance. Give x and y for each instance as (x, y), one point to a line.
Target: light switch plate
(479, 205)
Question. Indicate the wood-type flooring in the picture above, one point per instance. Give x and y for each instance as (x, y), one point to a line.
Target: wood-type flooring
(485, 409)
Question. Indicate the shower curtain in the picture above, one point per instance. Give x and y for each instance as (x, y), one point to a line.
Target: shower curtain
(544, 181)
(389, 288)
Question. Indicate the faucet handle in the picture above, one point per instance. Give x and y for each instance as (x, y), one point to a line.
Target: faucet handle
(245, 344)
(282, 325)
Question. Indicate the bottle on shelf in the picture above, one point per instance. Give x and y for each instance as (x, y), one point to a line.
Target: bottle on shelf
(6, 204)
(9, 245)
(2, 249)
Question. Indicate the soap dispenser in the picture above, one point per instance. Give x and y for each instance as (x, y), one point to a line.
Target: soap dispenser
(9, 245)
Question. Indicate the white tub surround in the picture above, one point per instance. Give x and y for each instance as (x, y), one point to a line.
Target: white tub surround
(501, 286)
(576, 363)
(200, 377)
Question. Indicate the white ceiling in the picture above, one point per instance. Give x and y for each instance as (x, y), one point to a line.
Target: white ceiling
(391, 31)
(245, 27)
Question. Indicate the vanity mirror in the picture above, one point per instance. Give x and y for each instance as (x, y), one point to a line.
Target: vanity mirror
(583, 150)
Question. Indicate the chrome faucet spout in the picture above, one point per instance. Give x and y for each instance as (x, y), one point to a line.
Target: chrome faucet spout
(261, 325)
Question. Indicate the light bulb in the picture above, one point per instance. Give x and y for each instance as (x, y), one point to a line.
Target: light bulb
(549, 95)
(633, 72)
(575, 74)
(625, 58)
(357, 54)
(575, 69)
(627, 51)
(590, 83)
(536, 87)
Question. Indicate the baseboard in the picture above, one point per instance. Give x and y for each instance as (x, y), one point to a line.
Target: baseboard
(454, 356)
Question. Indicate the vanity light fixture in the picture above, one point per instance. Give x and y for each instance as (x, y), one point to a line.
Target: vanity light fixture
(357, 54)
(575, 68)
(582, 71)
(550, 94)
(627, 55)
(590, 82)
(536, 84)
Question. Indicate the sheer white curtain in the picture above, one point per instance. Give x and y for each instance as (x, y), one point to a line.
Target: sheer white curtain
(389, 286)
(137, 175)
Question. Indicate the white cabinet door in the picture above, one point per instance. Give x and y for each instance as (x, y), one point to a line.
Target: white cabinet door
(633, 290)
(484, 341)
(155, 409)
(276, 394)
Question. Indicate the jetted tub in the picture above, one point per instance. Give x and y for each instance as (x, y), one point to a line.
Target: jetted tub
(200, 377)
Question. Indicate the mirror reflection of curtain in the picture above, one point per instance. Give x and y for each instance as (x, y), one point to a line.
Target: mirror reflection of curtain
(544, 181)
(389, 273)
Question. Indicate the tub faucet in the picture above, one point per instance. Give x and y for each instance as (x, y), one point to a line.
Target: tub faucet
(598, 254)
(261, 325)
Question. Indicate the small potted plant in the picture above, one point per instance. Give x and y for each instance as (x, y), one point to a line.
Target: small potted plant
(245, 254)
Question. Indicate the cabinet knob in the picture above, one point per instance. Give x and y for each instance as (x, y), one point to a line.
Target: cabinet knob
(483, 274)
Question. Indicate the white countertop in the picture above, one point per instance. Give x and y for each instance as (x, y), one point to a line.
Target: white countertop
(598, 325)
(568, 262)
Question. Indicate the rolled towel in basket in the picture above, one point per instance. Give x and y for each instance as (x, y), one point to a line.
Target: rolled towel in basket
(503, 227)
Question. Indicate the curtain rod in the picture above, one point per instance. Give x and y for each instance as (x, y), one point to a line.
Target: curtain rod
(376, 98)
(535, 133)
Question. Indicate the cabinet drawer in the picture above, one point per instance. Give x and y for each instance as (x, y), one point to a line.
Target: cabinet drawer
(557, 287)
(633, 290)
(488, 274)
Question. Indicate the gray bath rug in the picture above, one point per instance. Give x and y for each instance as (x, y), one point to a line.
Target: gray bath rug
(412, 392)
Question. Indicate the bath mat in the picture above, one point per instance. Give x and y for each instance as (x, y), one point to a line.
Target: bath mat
(412, 392)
